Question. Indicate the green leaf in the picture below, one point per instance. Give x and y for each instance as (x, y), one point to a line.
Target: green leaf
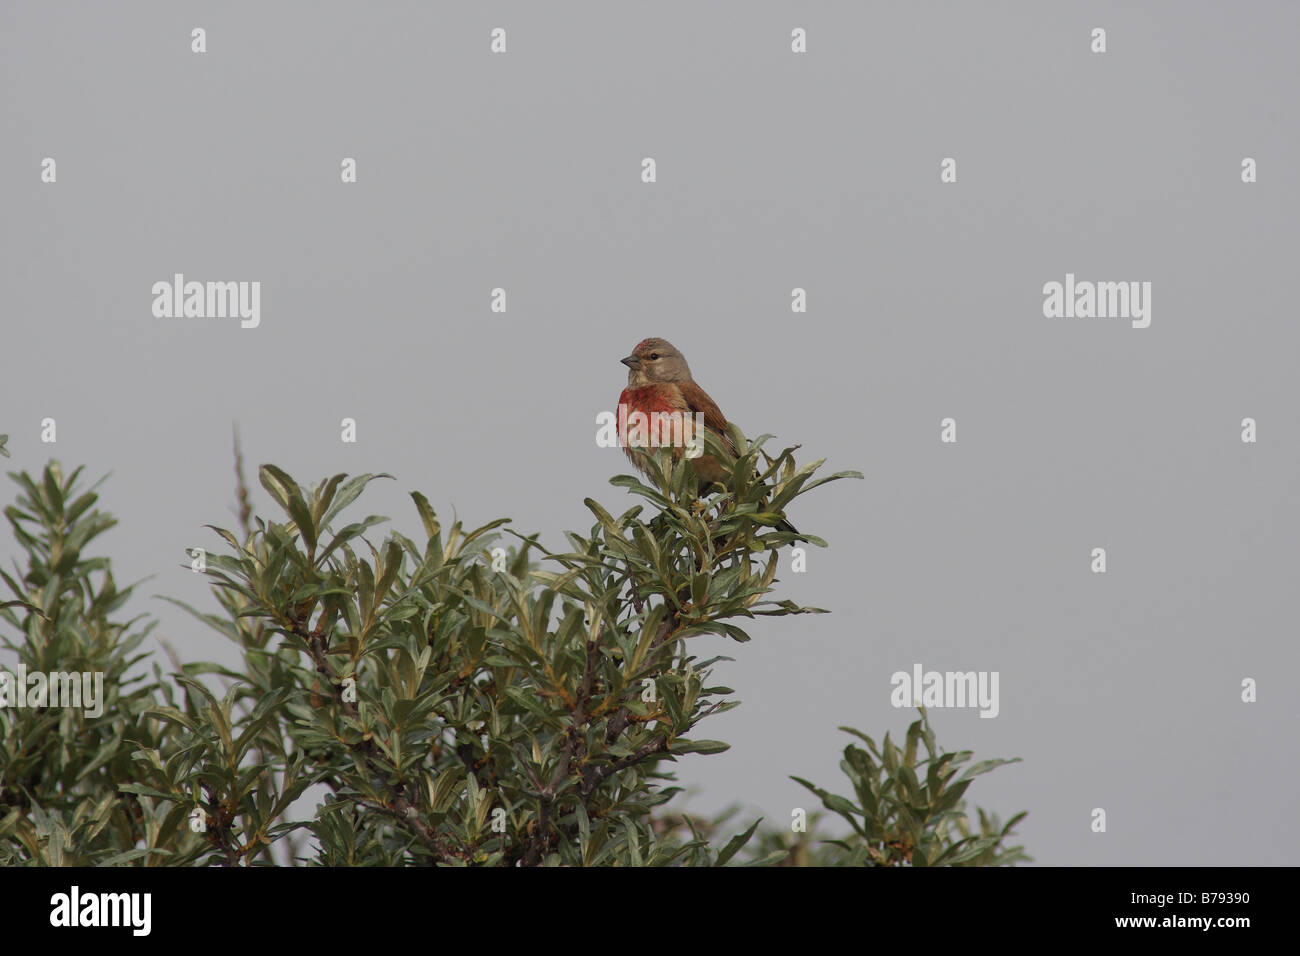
(348, 493)
(735, 843)
(605, 518)
(323, 500)
(270, 478)
(175, 716)
(638, 488)
(683, 746)
(984, 766)
(392, 565)
(348, 533)
(528, 701)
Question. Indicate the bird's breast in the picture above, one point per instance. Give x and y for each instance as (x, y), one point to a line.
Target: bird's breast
(652, 398)
(653, 416)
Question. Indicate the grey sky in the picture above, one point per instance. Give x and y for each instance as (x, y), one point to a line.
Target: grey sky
(775, 170)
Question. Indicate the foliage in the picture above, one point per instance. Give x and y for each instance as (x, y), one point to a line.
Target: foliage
(63, 774)
(439, 700)
(910, 810)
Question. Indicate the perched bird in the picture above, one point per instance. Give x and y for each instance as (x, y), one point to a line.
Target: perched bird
(660, 387)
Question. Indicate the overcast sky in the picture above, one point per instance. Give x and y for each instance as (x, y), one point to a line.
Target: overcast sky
(775, 171)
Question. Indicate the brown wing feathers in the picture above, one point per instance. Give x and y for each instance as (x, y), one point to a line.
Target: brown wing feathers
(697, 400)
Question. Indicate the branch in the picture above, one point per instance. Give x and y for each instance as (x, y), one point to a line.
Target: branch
(667, 627)
(397, 805)
(599, 774)
(541, 837)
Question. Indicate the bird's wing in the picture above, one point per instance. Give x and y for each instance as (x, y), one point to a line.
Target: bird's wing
(697, 400)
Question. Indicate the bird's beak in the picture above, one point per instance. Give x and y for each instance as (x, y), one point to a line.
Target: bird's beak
(631, 361)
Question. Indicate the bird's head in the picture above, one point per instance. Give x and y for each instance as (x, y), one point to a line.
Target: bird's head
(655, 360)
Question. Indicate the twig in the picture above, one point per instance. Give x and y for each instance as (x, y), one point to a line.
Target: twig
(245, 512)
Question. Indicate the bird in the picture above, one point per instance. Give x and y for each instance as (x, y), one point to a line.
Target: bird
(659, 381)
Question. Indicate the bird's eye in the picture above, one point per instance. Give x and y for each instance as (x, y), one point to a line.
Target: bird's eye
(654, 355)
